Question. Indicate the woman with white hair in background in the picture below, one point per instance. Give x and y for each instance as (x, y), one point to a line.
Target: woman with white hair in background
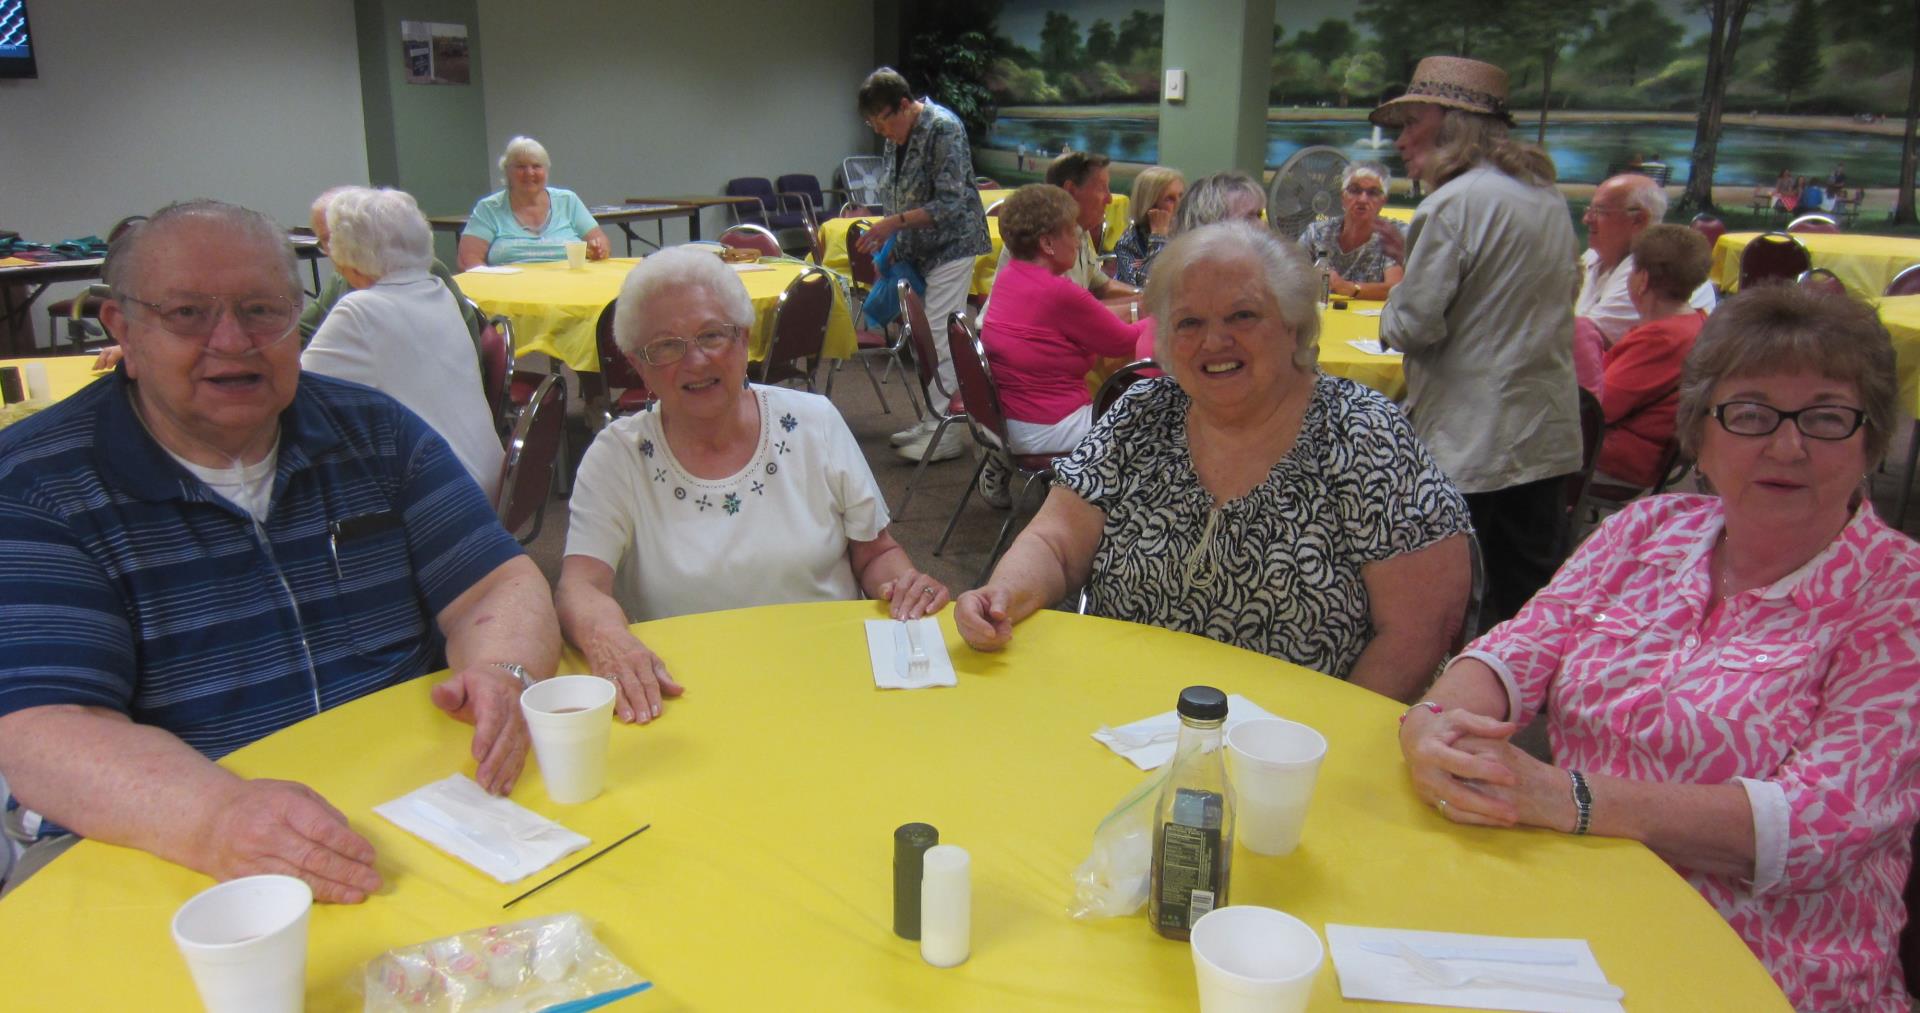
(399, 330)
(1220, 197)
(528, 220)
(1248, 497)
(1349, 244)
(721, 495)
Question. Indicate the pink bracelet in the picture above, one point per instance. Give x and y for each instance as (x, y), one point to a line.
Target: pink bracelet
(1428, 704)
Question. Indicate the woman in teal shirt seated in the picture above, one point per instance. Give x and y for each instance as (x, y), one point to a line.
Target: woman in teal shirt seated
(528, 220)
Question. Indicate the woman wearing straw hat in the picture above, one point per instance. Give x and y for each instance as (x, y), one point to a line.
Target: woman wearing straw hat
(1485, 316)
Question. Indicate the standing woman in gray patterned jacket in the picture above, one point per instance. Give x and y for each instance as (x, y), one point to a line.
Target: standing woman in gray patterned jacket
(931, 203)
(1248, 497)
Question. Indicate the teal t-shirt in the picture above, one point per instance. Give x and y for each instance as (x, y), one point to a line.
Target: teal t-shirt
(509, 242)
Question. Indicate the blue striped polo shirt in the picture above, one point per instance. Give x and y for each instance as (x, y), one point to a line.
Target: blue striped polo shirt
(126, 583)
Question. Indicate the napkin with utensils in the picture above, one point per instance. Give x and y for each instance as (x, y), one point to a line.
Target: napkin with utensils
(499, 837)
(1149, 742)
(1371, 346)
(909, 654)
(1477, 972)
(492, 269)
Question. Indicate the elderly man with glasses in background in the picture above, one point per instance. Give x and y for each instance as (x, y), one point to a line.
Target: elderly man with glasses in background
(207, 546)
(1623, 207)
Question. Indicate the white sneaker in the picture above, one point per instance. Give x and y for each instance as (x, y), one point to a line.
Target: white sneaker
(919, 432)
(993, 484)
(952, 443)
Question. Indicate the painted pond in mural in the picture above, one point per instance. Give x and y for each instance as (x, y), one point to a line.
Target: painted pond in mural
(1581, 151)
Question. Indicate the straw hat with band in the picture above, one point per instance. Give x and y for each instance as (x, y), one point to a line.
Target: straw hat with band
(1451, 82)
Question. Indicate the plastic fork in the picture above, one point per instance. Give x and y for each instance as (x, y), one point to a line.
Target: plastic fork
(919, 666)
(1450, 977)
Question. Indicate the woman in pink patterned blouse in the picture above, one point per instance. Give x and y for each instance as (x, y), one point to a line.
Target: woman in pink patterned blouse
(1732, 679)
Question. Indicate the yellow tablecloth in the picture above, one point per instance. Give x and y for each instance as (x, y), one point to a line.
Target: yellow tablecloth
(833, 244)
(1901, 315)
(773, 789)
(1865, 264)
(554, 309)
(66, 374)
(1383, 373)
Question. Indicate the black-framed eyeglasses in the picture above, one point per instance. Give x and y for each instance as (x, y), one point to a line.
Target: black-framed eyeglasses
(264, 319)
(1817, 422)
(671, 349)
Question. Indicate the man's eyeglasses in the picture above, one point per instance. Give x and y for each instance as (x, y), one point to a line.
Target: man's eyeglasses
(1818, 422)
(264, 319)
(1596, 211)
(669, 350)
(1370, 193)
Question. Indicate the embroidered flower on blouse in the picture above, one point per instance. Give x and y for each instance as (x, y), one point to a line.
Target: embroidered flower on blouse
(788, 422)
(731, 504)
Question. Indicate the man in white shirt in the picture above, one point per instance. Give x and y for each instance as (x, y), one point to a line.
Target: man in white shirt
(1623, 207)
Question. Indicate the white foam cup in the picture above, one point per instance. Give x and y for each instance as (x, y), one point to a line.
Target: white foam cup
(34, 377)
(576, 256)
(570, 718)
(245, 941)
(1273, 763)
(1254, 960)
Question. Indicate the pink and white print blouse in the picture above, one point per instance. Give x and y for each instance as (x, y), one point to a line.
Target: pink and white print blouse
(1805, 692)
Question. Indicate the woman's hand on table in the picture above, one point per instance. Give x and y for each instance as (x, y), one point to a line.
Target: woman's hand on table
(912, 594)
(599, 247)
(489, 700)
(637, 673)
(1451, 759)
(286, 828)
(982, 618)
(1541, 795)
(108, 358)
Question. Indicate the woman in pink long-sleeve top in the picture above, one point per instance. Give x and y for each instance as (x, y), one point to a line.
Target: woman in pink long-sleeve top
(1046, 331)
(1730, 679)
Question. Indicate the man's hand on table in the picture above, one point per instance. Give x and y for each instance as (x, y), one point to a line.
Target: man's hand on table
(982, 619)
(283, 827)
(636, 671)
(489, 699)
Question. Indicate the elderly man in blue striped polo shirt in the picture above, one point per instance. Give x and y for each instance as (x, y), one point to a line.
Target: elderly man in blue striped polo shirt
(207, 546)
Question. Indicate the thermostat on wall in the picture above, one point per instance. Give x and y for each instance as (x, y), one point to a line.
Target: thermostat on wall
(1176, 88)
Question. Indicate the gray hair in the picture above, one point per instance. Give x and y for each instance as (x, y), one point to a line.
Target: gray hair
(1786, 329)
(1374, 169)
(1210, 199)
(1291, 279)
(1646, 196)
(378, 232)
(126, 261)
(521, 144)
(670, 272)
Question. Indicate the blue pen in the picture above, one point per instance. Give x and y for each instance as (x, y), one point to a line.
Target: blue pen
(597, 1001)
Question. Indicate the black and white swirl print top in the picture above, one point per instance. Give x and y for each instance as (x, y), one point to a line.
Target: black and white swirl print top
(1281, 574)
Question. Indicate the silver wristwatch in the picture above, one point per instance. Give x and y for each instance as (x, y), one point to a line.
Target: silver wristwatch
(517, 671)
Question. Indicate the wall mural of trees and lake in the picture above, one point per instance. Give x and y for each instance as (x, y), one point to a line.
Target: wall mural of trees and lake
(1809, 83)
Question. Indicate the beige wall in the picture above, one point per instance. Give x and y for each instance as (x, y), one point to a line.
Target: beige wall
(677, 97)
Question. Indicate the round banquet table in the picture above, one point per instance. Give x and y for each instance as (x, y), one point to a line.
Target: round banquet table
(1360, 321)
(555, 309)
(1865, 264)
(833, 252)
(1901, 316)
(773, 788)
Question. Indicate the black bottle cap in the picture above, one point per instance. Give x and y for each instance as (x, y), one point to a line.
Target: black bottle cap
(910, 842)
(1203, 703)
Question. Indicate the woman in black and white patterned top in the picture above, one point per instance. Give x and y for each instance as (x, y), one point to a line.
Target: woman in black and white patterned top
(1247, 497)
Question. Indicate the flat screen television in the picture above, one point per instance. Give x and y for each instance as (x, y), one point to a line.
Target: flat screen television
(16, 41)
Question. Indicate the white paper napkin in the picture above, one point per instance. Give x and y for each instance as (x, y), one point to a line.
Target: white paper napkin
(491, 269)
(1149, 742)
(1367, 313)
(1371, 346)
(499, 837)
(1386, 978)
(889, 645)
(744, 268)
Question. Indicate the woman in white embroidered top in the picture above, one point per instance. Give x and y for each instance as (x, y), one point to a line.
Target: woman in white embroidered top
(721, 495)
